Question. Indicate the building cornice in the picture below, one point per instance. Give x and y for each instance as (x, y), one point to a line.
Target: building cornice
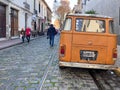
(19, 6)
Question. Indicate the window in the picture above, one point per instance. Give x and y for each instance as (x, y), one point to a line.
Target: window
(119, 15)
(111, 30)
(67, 24)
(90, 25)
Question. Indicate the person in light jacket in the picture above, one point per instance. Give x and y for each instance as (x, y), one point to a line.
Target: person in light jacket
(22, 35)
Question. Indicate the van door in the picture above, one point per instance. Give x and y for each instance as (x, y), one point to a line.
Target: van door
(89, 41)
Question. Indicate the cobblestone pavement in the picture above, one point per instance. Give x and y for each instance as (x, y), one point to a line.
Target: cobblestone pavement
(76, 79)
(34, 66)
(68, 79)
(22, 66)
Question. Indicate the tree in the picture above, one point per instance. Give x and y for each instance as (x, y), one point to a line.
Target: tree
(91, 12)
(62, 10)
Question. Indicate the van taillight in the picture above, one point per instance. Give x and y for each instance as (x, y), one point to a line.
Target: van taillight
(62, 50)
(114, 54)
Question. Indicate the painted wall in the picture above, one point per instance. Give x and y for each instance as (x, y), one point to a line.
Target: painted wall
(23, 10)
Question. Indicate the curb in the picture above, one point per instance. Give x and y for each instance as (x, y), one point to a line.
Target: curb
(13, 44)
(10, 45)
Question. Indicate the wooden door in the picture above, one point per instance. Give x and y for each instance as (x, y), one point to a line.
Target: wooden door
(2, 21)
(14, 22)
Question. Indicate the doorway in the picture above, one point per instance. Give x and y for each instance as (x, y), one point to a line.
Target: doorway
(14, 22)
(2, 21)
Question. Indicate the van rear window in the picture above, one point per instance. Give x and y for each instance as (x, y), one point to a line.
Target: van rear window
(84, 25)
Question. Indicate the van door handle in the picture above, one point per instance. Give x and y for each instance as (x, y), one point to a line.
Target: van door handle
(89, 43)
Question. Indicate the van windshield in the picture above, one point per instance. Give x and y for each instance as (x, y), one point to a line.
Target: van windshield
(84, 25)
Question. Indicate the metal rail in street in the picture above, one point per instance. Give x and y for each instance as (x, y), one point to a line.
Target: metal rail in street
(47, 69)
(105, 80)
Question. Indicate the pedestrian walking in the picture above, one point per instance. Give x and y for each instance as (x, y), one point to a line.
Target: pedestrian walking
(22, 35)
(28, 33)
(51, 34)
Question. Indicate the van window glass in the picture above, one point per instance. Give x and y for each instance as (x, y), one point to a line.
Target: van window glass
(111, 30)
(67, 24)
(79, 23)
(97, 26)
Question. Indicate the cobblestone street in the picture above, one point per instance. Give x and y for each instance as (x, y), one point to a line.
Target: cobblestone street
(68, 79)
(59, 44)
(22, 66)
(34, 66)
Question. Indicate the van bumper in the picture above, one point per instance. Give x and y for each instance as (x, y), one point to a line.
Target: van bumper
(85, 65)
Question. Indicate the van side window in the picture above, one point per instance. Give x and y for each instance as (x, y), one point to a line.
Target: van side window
(97, 26)
(67, 24)
(79, 24)
(111, 30)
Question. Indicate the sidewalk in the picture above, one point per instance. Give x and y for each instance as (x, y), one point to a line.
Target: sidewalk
(12, 42)
(9, 43)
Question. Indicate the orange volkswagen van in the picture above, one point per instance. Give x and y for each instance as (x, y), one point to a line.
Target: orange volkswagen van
(88, 41)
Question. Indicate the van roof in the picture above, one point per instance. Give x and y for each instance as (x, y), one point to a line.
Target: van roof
(91, 15)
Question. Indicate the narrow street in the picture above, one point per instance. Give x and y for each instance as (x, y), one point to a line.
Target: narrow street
(34, 66)
(90, 38)
(22, 66)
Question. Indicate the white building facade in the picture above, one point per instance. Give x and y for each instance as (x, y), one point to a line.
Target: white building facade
(105, 7)
(18, 14)
(42, 16)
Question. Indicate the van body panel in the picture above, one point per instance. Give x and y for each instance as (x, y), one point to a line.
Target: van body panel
(66, 39)
(89, 39)
(92, 48)
(112, 45)
(101, 54)
(93, 42)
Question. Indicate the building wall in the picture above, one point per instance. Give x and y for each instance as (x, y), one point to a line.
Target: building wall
(105, 7)
(19, 4)
(20, 7)
(25, 14)
(43, 15)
